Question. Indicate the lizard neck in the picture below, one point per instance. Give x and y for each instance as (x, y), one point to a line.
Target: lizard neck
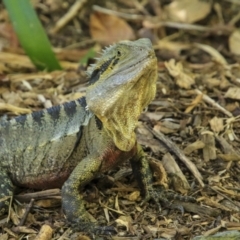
(120, 119)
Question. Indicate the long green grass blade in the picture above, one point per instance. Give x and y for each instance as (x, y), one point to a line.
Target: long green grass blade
(31, 34)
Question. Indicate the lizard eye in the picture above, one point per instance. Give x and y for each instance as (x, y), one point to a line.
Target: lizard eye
(118, 53)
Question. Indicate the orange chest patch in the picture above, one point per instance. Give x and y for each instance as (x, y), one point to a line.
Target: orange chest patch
(113, 156)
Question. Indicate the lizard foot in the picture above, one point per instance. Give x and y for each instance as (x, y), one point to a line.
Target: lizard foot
(166, 198)
(175, 196)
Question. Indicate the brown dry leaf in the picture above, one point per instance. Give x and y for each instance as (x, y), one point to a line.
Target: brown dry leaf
(133, 196)
(108, 29)
(11, 233)
(24, 229)
(226, 191)
(45, 233)
(234, 42)
(229, 157)
(146, 138)
(156, 116)
(216, 124)
(106, 213)
(194, 103)
(213, 179)
(14, 217)
(47, 203)
(209, 151)
(170, 124)
(211, 82)
(159, 173)
(233, 93)
(194, 146)
(13, 109)
(54, 5)
(4, 68)
(166, 233)
(82, 237)
(124, 221)
(210, 202)
(183, 80)
(173, 46)
(159, 127)
(4, 236)
(216, 55)
(19, 77)
(8, 36)
(17, 61)
(176, 175)
(116, 204)
(187, 11)
(211, 232)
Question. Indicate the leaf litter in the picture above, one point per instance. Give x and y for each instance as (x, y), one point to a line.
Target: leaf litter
(196, 107)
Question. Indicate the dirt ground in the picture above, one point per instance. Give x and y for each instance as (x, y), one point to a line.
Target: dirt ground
(191, 131)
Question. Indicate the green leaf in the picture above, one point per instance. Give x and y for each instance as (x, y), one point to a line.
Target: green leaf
(90, 54)
(31, 34)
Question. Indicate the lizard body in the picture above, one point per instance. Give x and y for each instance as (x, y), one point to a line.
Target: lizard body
(70, 144)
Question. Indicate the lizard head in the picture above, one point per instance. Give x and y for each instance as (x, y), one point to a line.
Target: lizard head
(122, 84)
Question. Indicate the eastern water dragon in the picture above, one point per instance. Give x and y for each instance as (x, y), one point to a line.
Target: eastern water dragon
(68, 145)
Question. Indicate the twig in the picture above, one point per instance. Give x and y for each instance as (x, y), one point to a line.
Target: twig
(9, 210)
(223, 195)
(207, 99)
(28, 208)
(195, 208)
(173, 148)
(51, 193)
(118, 14)
(68, 16)
(234, 20)
(65, 234)
(186, 26)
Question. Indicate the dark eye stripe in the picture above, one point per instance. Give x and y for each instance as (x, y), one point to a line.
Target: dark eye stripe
(115, 61)
(106, 64)
(100, 70)
(95, 76)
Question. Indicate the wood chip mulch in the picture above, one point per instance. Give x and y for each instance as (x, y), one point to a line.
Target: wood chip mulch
(191, 131)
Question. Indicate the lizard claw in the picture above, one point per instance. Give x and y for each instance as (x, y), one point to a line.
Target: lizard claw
(178, 207)
(157, 196)
(105, 230)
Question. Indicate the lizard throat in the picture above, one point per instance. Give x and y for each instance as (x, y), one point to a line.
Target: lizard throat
(121, 117)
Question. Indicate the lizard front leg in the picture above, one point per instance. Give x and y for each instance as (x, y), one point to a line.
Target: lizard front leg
(143, 174)
(72, 200)
(6, 191)
(144, 177)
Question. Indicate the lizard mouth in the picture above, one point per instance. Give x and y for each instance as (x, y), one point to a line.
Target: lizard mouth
(148, 59)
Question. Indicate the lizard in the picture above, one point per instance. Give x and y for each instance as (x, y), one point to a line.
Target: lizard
(68, 145)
